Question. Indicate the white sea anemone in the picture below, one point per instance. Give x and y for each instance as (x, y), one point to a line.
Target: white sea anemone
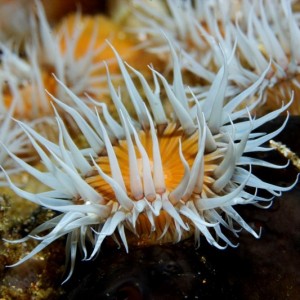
(268, 38)
(178, 19)
(57, 50)
(74, 51)
(173, 168)
(259, 30)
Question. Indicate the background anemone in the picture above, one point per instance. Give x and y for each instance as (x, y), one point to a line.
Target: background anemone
(252, 28)
(74, 50)
(161, 174)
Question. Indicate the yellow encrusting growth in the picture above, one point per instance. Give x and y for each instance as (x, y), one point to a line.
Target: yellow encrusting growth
(286, 152)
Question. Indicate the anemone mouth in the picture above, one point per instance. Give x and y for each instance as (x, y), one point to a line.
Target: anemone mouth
(173, 169)
(174, 145)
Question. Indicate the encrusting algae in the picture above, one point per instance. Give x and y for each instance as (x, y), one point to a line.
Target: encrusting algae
(39, 278)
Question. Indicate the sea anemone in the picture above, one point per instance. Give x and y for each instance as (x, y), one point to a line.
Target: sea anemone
(74, 50)
(265, 38)
(193, 25)
(252, 28)
(164, 169)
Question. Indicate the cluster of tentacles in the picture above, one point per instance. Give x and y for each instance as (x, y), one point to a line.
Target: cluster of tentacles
(157, 160)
